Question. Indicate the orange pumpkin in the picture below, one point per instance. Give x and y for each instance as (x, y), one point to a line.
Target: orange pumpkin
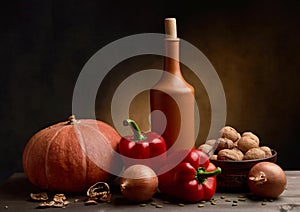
(71, 156)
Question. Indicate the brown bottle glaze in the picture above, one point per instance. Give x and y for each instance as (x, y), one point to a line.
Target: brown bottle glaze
(173, 96)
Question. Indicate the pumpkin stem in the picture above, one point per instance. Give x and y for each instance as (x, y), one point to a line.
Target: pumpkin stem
(72, 119)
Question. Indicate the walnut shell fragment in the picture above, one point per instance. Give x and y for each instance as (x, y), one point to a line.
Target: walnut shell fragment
(43, 196)
(59, 198)
(58, 205)
(46, 204)
(59, 201)
(66, 203)
(91, 202)
(99, 192)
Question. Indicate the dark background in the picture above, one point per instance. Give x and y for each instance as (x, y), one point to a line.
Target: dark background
(253, 45)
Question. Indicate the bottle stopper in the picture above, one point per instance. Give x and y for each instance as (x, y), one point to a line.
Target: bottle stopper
(170, 27)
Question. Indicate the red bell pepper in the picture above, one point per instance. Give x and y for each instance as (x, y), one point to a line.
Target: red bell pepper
(142, 146)
(193, 179)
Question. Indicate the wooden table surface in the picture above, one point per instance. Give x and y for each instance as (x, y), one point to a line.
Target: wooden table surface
(14, 196)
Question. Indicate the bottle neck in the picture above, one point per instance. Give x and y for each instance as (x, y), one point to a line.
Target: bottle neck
(171, 59)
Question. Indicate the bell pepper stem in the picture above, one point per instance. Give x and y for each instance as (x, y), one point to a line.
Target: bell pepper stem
(135, 129)
(202, 174)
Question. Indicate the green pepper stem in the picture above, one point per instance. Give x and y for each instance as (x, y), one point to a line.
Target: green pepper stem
(135, 129)
(202, 174)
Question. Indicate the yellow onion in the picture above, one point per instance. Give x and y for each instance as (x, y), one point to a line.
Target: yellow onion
(138, 183)
(266, 179)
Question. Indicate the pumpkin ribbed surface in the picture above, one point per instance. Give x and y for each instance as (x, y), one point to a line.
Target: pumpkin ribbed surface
(71, 156)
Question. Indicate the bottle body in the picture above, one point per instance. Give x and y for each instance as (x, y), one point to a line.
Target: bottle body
(173, 97)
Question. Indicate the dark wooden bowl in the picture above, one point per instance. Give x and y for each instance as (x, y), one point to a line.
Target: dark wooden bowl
(233, 177)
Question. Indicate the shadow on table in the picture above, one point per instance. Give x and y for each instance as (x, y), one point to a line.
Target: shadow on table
(17, 187)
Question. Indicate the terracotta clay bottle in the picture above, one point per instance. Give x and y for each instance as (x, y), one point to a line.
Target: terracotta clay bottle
(172, 98)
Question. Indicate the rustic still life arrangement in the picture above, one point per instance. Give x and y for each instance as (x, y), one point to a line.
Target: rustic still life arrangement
(77, 156)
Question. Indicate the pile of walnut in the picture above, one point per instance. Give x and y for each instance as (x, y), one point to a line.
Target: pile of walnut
(59, 200)
(99, 192)
(232, 146)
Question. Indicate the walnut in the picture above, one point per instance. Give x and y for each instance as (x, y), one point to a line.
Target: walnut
(230, 133)
(209, 147)
(254, 153)
(251, 135)
(239, 153)
(230, 154)
(267, 151)
(205, 147)
(225, 143)
(211, 142)
(246, 142)
(214, 157)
